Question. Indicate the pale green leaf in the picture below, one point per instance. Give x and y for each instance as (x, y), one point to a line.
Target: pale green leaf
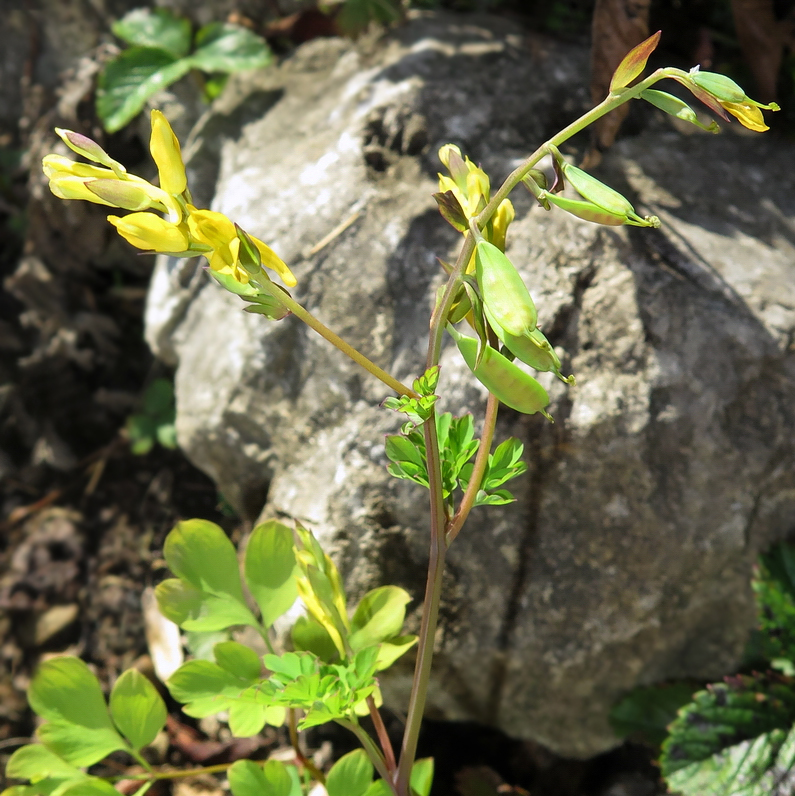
(422, 776)
(379, 616)
(238, 659)
(246, 719)
(64, 688)
(80, 745)
(351, 775)
(198, 611)
(307, 634)
(36, 762)
(271, 569)
(137, 709)
(201, 679)
(200, 553)
(389, 651)
(90, 786)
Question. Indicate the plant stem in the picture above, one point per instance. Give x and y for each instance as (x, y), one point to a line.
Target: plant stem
(292, 726)
(430, 612)
(333, 338)
(383, 735)
(481, 460)
(373, 752)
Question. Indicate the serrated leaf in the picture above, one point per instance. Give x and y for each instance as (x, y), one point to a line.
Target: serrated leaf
(307, 634)
(137, 709)
(36, 762)
(158, 28)
(422, 776)
(774, 589)
(194, 610)
(271, 569)
(222, 47)
(645, 713)
(351, 775)
(634, 62)
(378, 617)
(130, 79)
(727, 741)
(238, 659)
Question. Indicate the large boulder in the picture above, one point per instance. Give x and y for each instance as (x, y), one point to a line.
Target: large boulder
(626, 558)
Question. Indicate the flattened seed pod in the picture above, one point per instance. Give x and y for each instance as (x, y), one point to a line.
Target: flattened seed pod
(509, 383)
(503, 291)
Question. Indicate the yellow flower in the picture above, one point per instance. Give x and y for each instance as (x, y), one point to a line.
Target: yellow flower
(218, 232)
(166, 153)
(749, 115)
(150, 232)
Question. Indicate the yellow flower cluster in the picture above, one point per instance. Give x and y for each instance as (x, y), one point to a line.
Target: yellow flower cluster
(185, 231)
(471, 187)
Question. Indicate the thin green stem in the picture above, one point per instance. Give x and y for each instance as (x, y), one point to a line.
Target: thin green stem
(333, 338)
(292, 727)
(479, 467)
(430, 612)
(373, 752)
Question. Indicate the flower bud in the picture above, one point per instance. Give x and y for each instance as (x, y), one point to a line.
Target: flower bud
(167, 155)
(126, 194)
(90, 149)
(150, 232)
(67, 187)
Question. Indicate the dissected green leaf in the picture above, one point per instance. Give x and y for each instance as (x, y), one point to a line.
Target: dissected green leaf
(645, 713)
(137, 709)
(733, 739)
(246, 719)
(194, 610)
(271, 569)
(90, 786)
(379, 616)
(127, 82)
(158, 28)
(222, 47)
(351, 775)
(197, 680)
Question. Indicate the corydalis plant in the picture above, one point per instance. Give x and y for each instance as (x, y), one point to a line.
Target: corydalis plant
(331, 674)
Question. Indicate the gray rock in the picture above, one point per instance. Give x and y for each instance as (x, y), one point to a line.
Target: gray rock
(627, 557)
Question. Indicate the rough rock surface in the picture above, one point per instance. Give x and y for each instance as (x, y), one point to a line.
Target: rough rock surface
(627, 557)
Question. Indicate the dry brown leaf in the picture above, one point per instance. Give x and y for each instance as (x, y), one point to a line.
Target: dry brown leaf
(618, 26)
(762, 39)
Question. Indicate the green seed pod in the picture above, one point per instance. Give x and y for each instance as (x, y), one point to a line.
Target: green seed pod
(597, 192)
(503, 291)
(533, 349)
(724, 89)
(506, 381)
